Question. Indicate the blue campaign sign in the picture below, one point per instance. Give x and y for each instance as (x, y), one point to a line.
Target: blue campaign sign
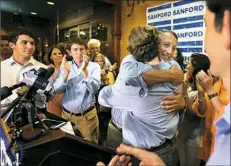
(186, 19)
(5, 160)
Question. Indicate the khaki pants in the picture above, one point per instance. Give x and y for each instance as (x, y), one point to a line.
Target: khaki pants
(87, 124)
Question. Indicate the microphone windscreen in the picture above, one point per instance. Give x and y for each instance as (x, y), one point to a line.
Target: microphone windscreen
(41, 72)
(22, 90)
(5, 92)
(69, 58)
(50, 72)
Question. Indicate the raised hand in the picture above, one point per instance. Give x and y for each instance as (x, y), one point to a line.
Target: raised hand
(66, 67)
(205, 80)
(85, 62)
(113, 67)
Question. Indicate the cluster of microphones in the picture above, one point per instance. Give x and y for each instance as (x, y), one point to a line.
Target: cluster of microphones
(32, 81)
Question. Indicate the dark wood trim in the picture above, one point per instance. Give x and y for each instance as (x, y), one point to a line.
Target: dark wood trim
(116, 32)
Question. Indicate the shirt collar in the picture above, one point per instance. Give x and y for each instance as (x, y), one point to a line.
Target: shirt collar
(12, 61)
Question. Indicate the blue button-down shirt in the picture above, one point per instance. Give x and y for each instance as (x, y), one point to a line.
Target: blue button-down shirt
(79, 92)
(116, 116)
(144, 123)
(133, 70)
(221, 154)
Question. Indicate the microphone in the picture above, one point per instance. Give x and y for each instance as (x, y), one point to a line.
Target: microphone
(69, 58)
(41, 72)
(7, 91)
(40, 81)
(34, 79)
(22, 90)
(50, 72)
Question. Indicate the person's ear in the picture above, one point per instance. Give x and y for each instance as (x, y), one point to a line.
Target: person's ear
(12, 45)
(226, 29)
(69, 52)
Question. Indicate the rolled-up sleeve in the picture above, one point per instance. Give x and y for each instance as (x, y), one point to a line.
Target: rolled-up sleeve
(59, 84)
(108, 99)
(93, 80)
(132, 74)
(132, 69)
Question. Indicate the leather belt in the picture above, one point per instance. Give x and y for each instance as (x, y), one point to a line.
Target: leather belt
(79, 114)
(165, 144)
(113, 124)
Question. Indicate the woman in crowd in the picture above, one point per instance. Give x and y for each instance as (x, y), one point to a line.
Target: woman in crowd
(190, 126)
(211, 98)
(107, 77)
(55, 56)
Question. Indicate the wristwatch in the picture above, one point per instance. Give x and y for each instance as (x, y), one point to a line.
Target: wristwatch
(212, 95)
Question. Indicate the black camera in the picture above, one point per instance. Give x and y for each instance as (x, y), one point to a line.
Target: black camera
(106, 71)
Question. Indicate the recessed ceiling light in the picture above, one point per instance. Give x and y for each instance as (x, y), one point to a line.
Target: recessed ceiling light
(33, 13)
(50, 3)
(15, 13)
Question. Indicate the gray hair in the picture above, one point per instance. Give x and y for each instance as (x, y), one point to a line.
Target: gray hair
(93, 41)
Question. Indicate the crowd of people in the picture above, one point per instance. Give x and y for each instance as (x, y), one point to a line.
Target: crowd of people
(152, 109)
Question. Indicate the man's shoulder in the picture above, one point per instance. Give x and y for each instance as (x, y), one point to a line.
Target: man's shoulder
(129, 58)
(6, 61)
(38, 64)
(105, 58)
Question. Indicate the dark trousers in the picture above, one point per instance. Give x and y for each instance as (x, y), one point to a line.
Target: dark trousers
(104, 118)
(168, 154)
(114, 137)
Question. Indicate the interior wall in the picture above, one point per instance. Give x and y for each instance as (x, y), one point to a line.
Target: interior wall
(138, 17)
(41, 28)
(98, 13)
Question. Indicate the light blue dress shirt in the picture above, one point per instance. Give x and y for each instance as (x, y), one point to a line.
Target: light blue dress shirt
(79, 93)
(221, 154)
(133, 70)
(144, 123)
(116, 116)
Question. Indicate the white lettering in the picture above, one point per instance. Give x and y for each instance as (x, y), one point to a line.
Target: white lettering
(188, 10)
